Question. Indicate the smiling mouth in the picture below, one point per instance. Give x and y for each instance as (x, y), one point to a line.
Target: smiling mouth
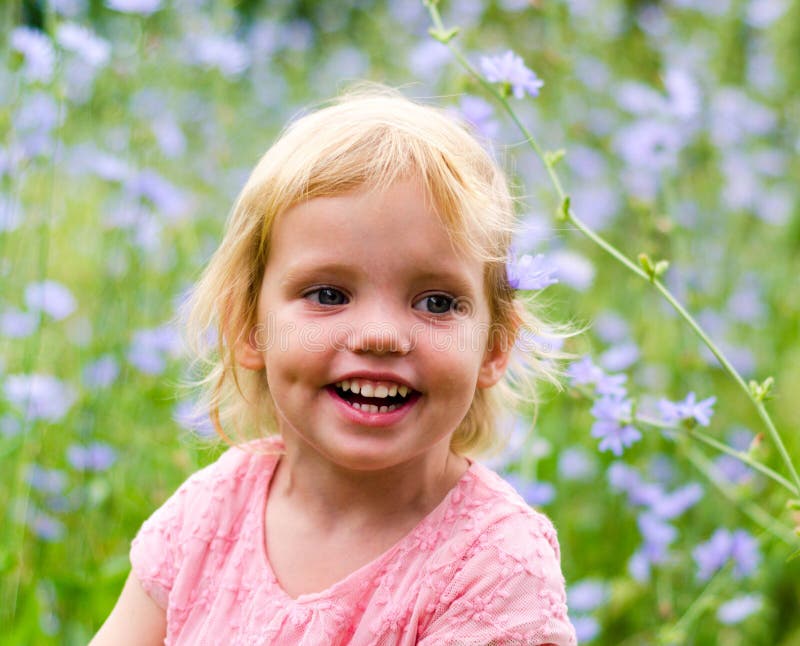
(379, 400)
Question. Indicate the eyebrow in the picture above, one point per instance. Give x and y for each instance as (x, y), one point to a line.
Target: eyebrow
(300, 272)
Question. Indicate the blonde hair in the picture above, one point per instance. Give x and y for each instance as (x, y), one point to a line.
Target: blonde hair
(367, 139)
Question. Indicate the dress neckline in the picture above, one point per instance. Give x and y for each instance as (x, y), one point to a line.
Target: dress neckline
(344, 583)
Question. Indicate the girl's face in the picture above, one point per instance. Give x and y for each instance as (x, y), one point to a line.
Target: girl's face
(372, 329)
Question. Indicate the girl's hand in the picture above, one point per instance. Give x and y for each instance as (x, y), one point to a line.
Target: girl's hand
(136, 619)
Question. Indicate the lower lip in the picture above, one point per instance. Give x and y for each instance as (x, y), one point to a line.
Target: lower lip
(365, 418)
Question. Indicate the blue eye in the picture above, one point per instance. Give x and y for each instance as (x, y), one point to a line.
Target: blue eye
(327, 296)
(435, 304)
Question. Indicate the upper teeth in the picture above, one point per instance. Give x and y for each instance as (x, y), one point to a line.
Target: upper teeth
(379, 389)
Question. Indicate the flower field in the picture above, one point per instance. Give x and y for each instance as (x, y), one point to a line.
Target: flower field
(654, 148)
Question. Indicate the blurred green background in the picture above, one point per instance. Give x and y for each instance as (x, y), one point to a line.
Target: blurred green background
(128, 127)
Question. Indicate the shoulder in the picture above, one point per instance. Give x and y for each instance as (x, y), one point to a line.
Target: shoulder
(493, 507)
(209, 507)
(500, 577)
(224, 480)
(216, 494)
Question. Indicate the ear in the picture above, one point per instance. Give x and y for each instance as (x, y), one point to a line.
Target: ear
(246, 351)
(495, 361)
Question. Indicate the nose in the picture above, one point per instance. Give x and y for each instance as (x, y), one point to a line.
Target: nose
(380, 329)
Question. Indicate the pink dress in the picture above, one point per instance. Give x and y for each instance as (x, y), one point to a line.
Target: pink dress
(481, 567)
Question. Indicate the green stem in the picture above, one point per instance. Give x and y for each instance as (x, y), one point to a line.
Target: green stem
(677, 633)
(762, 411)
(753, 512)
(742, 456)
(608, 247)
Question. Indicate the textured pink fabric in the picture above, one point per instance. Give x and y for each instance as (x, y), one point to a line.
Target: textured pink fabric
(482, 567)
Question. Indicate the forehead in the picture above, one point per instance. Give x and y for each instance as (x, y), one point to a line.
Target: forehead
(373, 229)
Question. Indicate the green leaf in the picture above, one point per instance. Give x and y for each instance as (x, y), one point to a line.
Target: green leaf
(647, 264)
(552, 157)
(563, 211)
(761, 391)
(444, 36)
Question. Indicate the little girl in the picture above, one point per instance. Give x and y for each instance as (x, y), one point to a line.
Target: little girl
(366, 324)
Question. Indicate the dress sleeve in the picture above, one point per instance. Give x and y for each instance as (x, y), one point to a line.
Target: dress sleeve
(509, 590)
(156, 551)
(160, 548)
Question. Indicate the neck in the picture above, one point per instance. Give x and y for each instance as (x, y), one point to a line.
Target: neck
(334, 495)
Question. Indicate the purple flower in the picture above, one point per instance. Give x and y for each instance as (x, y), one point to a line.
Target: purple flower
(586, 628)
(510, 69)
(514, 445)
(612, 427)
(734, 116)
(10, 212)
(187, 415)
(170, 137)
(40, 396)
(48, 481)
(732, 470)
(428, 58)
(92, 457)
(46, 527)
(37, 51)
(615, 437)
(639, 98)
(101, 373)
(51, 298)
(746, 303)
(587, 595)
(583, 371)
(675, 503)
(575, 464)
(639, 566)
(713, 554)
(480, 114)
(612, 407)
(168, 199)
(611, 385)
(92, 49)
(620, 357)
(762, 13)
(9, 426)
(532, 231)
(688, 409)
(623, 478)
(649, 145)
(739, 608)
(68, 8)
(724, 546)
(573, 269)
(15, 324)
(645, 493)
(657, 533)
(587, 163)
(144, 7)
(530, 272)
(534, 493)
(744, 552)
(151, 348)
(658, 536)
(597, 202)
(684, 94)
(227, 55)
(38, 114)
